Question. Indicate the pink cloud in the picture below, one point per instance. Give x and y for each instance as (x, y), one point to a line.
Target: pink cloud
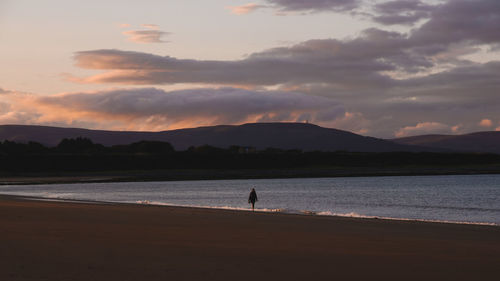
(154, 109)
(150, 26)
(145, 36)
(423, 129)
(244, 9)
(486, 123)
(457, 128)
(351, 121)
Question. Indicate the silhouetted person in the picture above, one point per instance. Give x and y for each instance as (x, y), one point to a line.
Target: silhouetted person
(252, 198)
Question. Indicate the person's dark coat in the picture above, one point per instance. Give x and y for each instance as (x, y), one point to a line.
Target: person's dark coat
(253, 197)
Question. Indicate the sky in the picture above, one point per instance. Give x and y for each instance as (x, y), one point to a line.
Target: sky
(380, 68)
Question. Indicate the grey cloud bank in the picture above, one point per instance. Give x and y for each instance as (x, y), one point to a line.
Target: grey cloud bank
(405, 12)
(391, 82)
(457, 23)
(155, 109)
(314, 5)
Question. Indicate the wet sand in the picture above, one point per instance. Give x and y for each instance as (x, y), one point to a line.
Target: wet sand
(44, 240)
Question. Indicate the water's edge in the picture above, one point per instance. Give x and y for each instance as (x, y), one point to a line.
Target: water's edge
(281, 211)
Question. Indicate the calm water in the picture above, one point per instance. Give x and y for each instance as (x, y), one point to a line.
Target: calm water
(467, 198)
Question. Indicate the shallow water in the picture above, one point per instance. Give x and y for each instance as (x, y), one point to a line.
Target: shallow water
(463, 198)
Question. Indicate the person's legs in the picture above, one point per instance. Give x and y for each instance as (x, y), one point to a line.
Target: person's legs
(253, 205)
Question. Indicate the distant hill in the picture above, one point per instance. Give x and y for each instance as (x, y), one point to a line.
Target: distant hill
(307, 137)
(475, 142)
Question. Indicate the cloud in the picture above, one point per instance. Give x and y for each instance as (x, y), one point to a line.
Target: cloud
(314, 5)
(456, 20)
(486, 123)
(155, 109)
(145, 36)
(151, 35)
(283, 7)
(150, 26)
(455, 96)
(353, 62)
(385, 79)
(457, 128)
(245, 9)
(455, 28)
(422, 129)
(124, 25)
(351, 121)
(461, 20)
(374, 55)
(405, 12)
(14, 108)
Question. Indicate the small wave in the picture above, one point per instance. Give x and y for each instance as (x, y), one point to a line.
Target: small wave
(350, 215)
(438, 207)
(314, 213)
(57, 195)
(356, 215)
(269, 210)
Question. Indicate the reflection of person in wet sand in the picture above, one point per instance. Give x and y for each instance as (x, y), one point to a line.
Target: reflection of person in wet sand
(252, 198)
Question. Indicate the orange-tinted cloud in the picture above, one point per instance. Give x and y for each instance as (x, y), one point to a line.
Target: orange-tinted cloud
(423, 128)
(145, 36)
(351, 121)
(155, 109)
(244, 9)
(150, 26)
(486, 123)
(457, 128)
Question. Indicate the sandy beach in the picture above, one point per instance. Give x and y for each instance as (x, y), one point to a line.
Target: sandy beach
(44, 240)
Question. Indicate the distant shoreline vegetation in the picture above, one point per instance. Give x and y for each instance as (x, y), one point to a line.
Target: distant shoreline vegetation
(82, 155)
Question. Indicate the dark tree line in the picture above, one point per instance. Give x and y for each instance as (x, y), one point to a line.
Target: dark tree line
(82, 154)
(81, 146)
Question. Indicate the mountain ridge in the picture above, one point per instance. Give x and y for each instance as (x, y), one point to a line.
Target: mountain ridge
(485, 142)
(303, 136)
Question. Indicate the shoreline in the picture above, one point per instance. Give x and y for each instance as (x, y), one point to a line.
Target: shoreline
(46, 240)
(301, 213)
(235, 209)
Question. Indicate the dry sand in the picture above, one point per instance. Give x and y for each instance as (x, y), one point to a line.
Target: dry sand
(43, 240)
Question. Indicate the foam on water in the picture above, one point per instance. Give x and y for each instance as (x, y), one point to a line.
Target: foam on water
(312, 213)
(59, 195)
(356, 215)
(147, 202)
